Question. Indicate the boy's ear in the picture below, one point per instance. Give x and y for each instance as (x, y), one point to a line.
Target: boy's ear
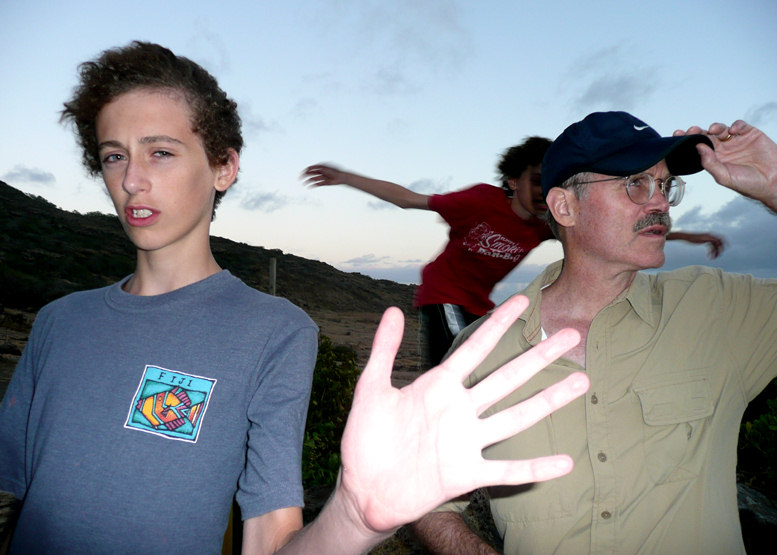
(562, 203)
(227, 172)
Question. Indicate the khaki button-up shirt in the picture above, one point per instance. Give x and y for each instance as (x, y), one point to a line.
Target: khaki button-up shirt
(673, 362)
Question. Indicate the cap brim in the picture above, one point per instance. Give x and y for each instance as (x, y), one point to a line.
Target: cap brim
(680, 153)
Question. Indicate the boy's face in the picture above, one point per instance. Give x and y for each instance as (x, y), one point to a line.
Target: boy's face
(157, 172)
(528, 191)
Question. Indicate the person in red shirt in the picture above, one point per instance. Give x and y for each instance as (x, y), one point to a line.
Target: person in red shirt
(491, 230)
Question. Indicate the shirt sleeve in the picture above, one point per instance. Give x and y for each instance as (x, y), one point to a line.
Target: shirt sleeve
(14, 418)
(459, 206)
(272, 478)
(751, 315)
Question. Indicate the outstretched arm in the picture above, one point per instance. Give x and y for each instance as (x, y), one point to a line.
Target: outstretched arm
(714, 242)
(321, 175)
(406, 451)
(744, 159)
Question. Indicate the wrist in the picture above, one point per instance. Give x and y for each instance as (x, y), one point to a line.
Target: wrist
(343, 514)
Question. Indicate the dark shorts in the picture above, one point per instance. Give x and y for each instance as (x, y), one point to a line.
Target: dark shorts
(438, 327)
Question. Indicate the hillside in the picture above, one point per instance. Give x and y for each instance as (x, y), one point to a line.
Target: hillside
(46, 252)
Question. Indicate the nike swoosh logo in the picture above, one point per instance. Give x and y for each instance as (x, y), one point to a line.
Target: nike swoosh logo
(641, 128)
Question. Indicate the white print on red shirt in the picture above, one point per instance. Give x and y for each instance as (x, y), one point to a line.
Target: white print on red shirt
(481, 239)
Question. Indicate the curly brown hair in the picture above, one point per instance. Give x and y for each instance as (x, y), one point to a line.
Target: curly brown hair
(145, 65)
(516, 159)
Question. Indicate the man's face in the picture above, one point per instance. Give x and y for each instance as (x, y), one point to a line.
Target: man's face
(528, 191)
(156, 170)
(614, 230)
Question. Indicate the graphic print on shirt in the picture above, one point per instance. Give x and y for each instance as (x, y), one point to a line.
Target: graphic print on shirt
(482, 239)
(169, 403)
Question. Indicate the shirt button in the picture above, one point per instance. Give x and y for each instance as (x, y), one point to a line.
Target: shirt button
(606, 515)
(594, 399)
(602, 457)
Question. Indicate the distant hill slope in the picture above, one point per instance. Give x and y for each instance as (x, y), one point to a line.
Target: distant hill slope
(46, 252)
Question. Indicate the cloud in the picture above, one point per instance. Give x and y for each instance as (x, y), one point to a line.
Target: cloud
(747, 228)
(254, 125)
(208, 48)
(29, 175)
(624, 91)
(366, 259)
(265, 202)
(402, 43)
(608, 78)
(304, 107)
(763, 114)
(385, 267)
(390, 81)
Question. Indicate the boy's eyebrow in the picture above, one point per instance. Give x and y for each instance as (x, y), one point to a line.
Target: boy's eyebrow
(159, 139)
(144, 140)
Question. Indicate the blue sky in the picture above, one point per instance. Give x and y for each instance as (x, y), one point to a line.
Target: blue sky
(426, 93)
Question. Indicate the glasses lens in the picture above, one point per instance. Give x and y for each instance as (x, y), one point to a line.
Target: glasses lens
(639, 189)
(674, 187)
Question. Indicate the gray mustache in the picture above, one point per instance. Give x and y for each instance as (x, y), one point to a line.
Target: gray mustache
(654, 218)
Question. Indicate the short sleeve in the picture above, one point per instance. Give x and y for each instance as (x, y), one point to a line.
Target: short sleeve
(459, 206)
(272, 478)
(14, 419)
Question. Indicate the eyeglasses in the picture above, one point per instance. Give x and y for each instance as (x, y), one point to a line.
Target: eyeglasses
(641, 187)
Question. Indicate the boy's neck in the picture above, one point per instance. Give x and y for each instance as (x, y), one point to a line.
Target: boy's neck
(156, 275)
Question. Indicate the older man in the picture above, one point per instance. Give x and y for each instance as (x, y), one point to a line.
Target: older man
(673, 358)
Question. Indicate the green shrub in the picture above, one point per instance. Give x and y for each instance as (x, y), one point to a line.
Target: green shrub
(330, 400)
(757, 453)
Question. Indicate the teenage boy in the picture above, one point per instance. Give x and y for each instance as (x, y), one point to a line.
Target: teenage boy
(138, 410)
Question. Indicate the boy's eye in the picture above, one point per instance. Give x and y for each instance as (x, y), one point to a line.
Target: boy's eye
(162, 154)
(112, 158)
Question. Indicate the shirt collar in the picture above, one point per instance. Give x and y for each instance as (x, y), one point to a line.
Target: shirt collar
(638, 295)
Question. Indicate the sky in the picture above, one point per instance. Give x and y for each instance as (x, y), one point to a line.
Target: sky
(425, 93)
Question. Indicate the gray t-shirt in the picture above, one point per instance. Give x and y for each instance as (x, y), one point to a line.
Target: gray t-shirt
(131, 422)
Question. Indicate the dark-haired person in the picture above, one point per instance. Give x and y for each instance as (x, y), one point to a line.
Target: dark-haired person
(673, 357)
(491, 230)
(139, 410)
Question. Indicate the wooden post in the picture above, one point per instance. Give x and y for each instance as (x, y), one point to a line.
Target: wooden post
(273, 266)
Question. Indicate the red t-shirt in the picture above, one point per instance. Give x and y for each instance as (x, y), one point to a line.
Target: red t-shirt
(486, 241)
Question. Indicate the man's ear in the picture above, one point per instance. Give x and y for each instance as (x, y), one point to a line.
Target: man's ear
(562, 203)
(227, 171)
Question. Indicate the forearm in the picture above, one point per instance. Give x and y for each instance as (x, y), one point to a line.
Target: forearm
(677, 235)
(388, 191)
(337, 530)
(446, 533)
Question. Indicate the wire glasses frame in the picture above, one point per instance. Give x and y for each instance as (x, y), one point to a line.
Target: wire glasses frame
(641, 187)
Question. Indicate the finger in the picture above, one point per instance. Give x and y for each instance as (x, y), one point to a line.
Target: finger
(718, 130)
(740, 127)
(519, 370)
(479, 345)
(493, 473)
(384, 349)
(713, 165)
(693, 130)
(508, 422)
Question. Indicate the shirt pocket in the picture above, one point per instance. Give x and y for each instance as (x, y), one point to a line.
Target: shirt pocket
(674, 407)
(534, 502)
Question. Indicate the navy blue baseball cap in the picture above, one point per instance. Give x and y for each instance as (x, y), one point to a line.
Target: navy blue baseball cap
(618, 144)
